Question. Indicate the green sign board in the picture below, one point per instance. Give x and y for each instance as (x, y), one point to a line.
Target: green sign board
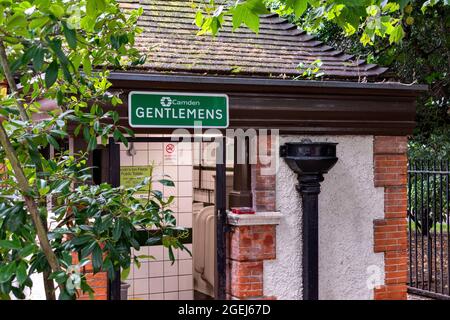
(131, 176)
(177, 110)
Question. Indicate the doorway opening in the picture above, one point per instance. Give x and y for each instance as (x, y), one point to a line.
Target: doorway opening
(203, 177)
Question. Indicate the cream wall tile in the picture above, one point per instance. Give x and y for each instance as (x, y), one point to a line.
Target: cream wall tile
(171, 296)
(183, 254)
(157, 296)
(185, 282)
(185, 145)
(170, 191)
(185, 204)
(172, 172)
(170, 284)
(185, 189)
(156, 157)
(158, 172)
(186, 295)
(185, 220)
(157, 186)
(140, 158)
(170, 269)
(155, 146)
(185, 267)
(185, 157)
(142, 272)
(140, 145)
(143, 250)
(157, 252)
(125, 159)
(185, 173)
(156, 285)
(156, 269)
(174, 205)
(141, 286)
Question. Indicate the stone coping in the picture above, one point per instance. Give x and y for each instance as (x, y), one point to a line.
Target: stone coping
(259, 218)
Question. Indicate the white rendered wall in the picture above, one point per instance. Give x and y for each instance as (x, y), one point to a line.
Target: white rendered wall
(348, 204)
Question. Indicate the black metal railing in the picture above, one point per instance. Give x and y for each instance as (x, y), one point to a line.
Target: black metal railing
(428, 227)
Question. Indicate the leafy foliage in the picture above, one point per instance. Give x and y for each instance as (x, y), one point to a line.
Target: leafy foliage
(372, 19)
(61, 51)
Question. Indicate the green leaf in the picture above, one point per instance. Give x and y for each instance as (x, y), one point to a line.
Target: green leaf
(92, 143)
(299, 7)
(38, 59)
(57, 10)
(91, 8)
(117, 231)
(51, 74)
(146, 256)
(61, 186)
(134, 244)
(166, 182)
(38, 22)
(248, 13)
(97, 258)
(21, 272)
(10, 244)
(58, 276)
(64, 295)
(403, 3)
(27, 250)
(81, 240)
(16, 20)
(86, 251)
(171, 255)
(199, 19)
(396, 34)
(87, 66)
(52, 141)
(124, 274)
(153, 240)
(71, 37)
(7, 271)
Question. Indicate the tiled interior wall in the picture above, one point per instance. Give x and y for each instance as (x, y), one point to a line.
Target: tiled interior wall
(158, 278)
(204, 154)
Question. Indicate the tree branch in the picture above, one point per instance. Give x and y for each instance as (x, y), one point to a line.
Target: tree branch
(26, 190)
(11, 82)
(40, 227)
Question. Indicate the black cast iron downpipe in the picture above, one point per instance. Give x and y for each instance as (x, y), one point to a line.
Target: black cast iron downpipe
(310, 161)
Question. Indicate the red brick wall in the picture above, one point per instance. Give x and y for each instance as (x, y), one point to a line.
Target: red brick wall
(98, 282)
(263, 184)
(248, 247)
(390, 233)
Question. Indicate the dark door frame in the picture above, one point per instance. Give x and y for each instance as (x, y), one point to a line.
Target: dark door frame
(113, 150)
